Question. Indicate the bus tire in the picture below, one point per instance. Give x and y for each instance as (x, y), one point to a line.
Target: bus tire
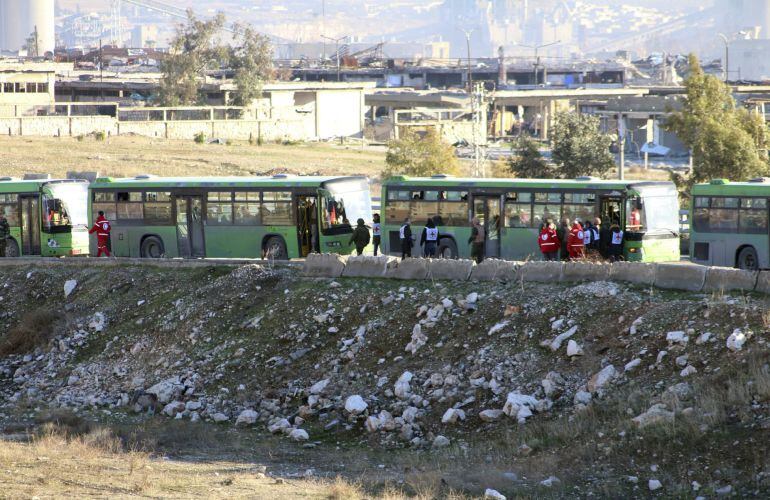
(152, 248)
(12, 248)
(447, 249)
(275, 249)
(748, 260)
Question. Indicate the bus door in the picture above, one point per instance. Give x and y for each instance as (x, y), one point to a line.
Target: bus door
(30, 225)
(307, 224)
(189, 226)
(487, 209)
(611, 211)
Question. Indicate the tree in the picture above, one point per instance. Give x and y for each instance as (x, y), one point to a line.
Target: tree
(726, 142)
(420, 156)
(579, 147)
(527, 162)
(192, 52)
(252, 61)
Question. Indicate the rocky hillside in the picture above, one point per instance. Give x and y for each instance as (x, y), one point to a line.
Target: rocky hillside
(594, 389)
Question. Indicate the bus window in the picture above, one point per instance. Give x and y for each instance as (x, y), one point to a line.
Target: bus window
(129, 206)
(579, 206)
(105, 202)
(700, 219)
(246, 209)
(157, 208)
(753, 216)
(219, 208)
(518, 210)
(453, 209)
(723, 215)
(421, 210)
(547, 206)
(9, 206)
(344, 202)
(276, 209)
(659, 213)
(65, 206)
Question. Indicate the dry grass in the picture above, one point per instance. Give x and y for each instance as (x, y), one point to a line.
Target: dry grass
(34, 330)
(131, 155)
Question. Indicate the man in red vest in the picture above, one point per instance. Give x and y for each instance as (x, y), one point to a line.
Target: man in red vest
(576, 242)
(102, 229)
(549, 241)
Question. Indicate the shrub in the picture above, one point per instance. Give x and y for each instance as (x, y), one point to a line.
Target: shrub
(100, 136)
(34, 330)
(200, 138)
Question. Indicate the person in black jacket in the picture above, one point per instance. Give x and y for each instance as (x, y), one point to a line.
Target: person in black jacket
(405, 235)
(429, 239)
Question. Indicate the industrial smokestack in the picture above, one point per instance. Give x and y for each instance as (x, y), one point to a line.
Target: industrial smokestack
(41, 17)
(20, 18)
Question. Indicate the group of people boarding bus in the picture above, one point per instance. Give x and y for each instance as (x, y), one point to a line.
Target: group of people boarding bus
(573, 240)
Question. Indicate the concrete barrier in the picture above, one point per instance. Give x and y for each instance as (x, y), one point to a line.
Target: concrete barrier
(409, 269)
(585, 271)
(687, 277)
(323, 266)
(723, 279)
(541, 272)
(494, 270)
(449, 269)
(763, 282)
(634, 272)
(366, 266)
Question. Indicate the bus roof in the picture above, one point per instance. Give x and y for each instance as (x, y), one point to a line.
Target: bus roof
(12, 185)
(722, 187)
(585, 183)
(149, 181)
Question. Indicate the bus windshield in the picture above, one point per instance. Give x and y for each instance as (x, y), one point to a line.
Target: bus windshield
(65, 206)
(660, 213)
(344, 202)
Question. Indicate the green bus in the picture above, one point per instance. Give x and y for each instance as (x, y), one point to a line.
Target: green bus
(47, 217)
(278, 217)
(512, 210)
(729, 224)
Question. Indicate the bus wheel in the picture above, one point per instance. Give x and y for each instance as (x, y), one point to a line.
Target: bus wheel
(747, 259)
(12, 248)
(447, 249)
(152, 248)
(275, 249)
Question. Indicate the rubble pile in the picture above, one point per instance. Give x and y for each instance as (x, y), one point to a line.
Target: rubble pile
(423, 365)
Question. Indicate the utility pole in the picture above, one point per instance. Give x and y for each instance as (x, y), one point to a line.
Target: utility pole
(537, 48)
(622, 145)
(337, 45)
(479, 131)
(468, 44)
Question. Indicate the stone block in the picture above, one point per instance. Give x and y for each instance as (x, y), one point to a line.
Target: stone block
(494, 270)
(640, 273)
(409, 269)
(763, 282)
(450, 269)
(687, 277)
(541, 272)
(366, 266)
(585, 271)
(723, 279)
(323, 266)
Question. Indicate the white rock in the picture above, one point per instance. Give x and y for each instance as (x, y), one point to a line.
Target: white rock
(574, 349)
(402, 389)
(166, 390)
(498, 327)
(690, 370)
(736, 340)
(447, 304)
(703, 338)
(247, 417)
(490, 415)
(409, 414)
(441, 442)
(97, 322)
(418, 339)
(452, 415)
(682, 360)
(724, 491)
(299, 435)
(558, 324)
(220, 417)
(472, 298)
(654, 485)
(69, 287)
(372, 424)
(174, 408)
(657, 414)
(279, 426)
(601, 379)
(518, 405)
(661, 355)
(677, 337)
(355, 404)
(491, 494)
(582, 397)
(552, 480)
(319, 386)
(321, 318)
(557, 342)
(634, 363)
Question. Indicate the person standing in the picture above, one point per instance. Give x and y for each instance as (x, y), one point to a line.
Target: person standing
(102, 228)
(549, 241)
(477, 241)
(616, 244)
(5, 234)
(576, 241)
(563, 234)
(405, 235)
(429, 239)
(360, 236)
(376, 234)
